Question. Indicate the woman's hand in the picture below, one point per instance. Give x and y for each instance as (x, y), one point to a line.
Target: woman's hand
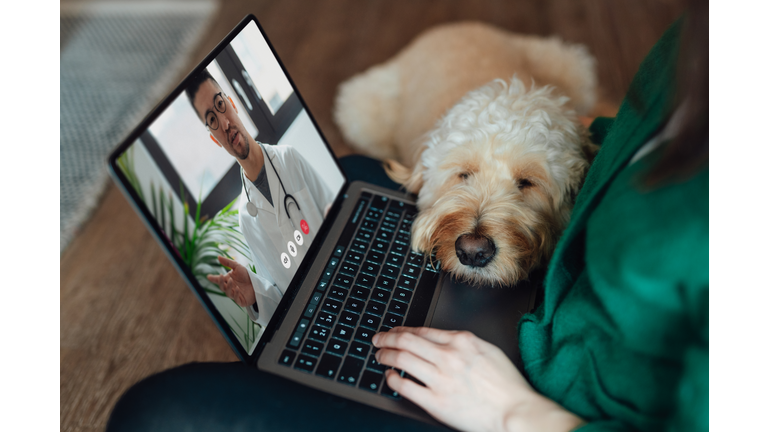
(236, 283)
(470, 384)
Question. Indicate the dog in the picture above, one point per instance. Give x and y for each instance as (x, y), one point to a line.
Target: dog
(482, 125)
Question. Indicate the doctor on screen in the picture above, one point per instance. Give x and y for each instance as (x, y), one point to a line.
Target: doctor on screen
(282, 204)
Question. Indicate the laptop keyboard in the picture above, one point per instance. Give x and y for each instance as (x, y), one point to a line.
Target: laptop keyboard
(373, 282)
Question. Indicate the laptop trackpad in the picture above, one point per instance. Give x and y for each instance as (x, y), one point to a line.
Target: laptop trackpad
(490, 313)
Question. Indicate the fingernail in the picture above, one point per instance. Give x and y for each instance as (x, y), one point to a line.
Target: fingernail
(375, 339)
(376, 355)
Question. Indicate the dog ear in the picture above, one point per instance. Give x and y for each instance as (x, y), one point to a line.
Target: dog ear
(411, 179)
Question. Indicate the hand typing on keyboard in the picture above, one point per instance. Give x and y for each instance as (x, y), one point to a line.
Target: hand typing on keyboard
(470, 384)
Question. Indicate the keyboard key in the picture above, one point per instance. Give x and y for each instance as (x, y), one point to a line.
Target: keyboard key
(325, 319)
(318, 333)
(343, 281)
(338, 251)
(380, 295)
(406, 282)
(348, 318)
(303, 325)
(364, 236)
(359, 349)
(287, 357)
(397, 205)
(403, 238)
(390, 272)
(332, 264)
(295, 340)
(337, 347)
(368, 225)
(305, 363)
(327, 274)
(370, 321)
(373, 214)
(402, 295)
(397, 308)
(354, 305)
(365, 280)
(364, 335)
(342, 332)
(337, 293)
(415, 259)
(331, 306)
(359, 293)
(349, 269)
(329, 366)
(393, 220)
(395, 260)
(371, 381)
(312, 348)
(394, 213)
(355, 257)
(392, 320)
(412, 272)
(385, 283)
(375, 258)
(379, 246)
(350, 371)
(384, 236)
(370, 269)
(433, 266)
(399, 249)
(379, 203)
(359, 246)
(322, 285)
(375, 308)
(315, 299)
(310, 311)
(389, 226)
(374, 365)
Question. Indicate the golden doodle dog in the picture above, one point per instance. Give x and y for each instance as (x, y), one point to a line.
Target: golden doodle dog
(482, 125)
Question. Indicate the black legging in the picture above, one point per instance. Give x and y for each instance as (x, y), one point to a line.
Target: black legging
(236, 397)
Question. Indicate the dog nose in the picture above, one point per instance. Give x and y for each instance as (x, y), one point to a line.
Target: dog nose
(474, 250)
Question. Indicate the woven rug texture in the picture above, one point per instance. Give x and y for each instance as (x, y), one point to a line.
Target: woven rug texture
(117, 61)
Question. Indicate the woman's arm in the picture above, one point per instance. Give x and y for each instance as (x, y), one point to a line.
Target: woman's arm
(470, 384)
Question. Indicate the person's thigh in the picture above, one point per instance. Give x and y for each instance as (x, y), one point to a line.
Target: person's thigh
(236, 397)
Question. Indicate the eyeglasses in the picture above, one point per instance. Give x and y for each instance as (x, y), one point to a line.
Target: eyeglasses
(211, 119)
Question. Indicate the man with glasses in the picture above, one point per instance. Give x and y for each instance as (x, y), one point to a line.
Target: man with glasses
(278, 244)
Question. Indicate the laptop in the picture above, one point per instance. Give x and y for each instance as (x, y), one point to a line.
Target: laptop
(355, 274)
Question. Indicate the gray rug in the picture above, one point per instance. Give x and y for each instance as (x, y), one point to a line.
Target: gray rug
(117, 61)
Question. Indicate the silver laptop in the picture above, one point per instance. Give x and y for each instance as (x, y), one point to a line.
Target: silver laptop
(328, 261)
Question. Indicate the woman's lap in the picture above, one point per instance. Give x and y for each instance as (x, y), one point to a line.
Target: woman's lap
(234, 396)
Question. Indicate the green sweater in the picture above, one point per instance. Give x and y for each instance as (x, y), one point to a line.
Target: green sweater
(622, 336)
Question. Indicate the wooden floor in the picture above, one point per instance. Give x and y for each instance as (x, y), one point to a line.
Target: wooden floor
(126, 314)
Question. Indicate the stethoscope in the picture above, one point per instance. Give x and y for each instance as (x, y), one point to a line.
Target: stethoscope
(251, 207)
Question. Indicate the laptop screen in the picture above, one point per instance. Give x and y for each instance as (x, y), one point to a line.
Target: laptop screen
(238, 179)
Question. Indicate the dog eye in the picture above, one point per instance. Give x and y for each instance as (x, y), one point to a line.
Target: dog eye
(464, 175)
(524, 183)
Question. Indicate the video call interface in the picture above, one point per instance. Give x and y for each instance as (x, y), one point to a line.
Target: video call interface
(236, 224)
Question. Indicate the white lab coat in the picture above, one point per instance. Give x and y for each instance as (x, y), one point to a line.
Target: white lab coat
(269, 232)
